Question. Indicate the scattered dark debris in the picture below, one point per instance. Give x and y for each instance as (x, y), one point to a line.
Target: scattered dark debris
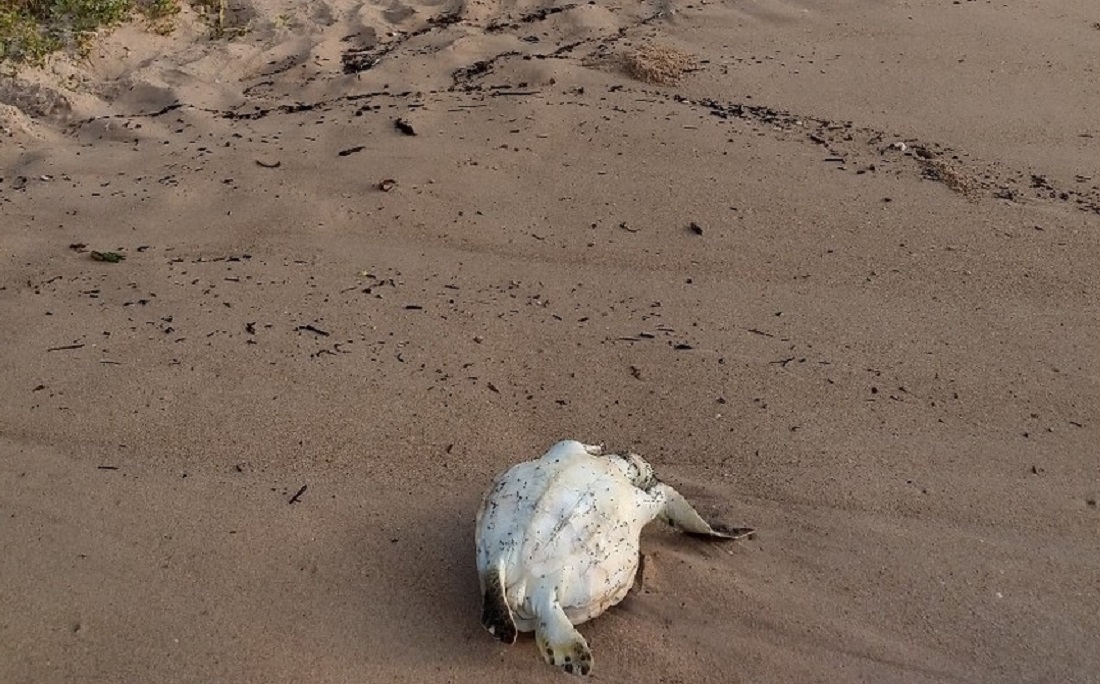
(351, 150)
(1040, 181)
(936, 162)
(229, 257)
(636, 372)
(364, 58)
(404, 126)
(540, 15)
(299, 107)
(463, 75)
(78, 247)
(445, 19)
(755, 331)
(298, 494)
(250, 328)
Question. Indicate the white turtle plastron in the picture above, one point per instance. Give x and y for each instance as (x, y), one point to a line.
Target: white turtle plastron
(558, 543)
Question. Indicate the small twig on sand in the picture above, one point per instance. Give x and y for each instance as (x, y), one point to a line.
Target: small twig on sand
(313, 329)
(65, 347)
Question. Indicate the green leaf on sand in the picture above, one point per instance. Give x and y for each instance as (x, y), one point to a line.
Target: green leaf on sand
(109, 257)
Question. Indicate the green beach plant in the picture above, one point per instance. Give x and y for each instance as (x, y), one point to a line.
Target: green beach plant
(31, 30)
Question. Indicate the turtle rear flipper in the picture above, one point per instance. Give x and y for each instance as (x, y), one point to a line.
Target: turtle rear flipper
(683, 516)
(496, 616)
(558, 640)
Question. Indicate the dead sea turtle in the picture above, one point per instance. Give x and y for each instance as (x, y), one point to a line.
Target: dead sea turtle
(558, 543)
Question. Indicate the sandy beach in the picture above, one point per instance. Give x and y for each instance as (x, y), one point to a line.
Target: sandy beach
(838, 282)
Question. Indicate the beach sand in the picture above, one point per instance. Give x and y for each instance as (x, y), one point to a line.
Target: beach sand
(252, 450)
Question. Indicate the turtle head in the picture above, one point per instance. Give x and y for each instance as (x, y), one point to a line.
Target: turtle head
(639, 471)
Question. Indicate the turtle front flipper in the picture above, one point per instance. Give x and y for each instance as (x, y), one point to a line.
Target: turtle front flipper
(558, 640)
(496, 615)
(681, 515)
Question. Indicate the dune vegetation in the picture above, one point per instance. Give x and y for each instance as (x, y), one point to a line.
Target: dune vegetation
(32, 30)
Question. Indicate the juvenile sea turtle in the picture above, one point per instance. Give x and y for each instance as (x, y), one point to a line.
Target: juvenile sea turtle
(558, 543)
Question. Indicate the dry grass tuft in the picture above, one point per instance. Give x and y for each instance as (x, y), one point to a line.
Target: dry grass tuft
(658, 64)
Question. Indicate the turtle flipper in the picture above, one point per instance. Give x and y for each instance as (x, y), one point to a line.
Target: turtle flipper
(496, 616)
(681, 515)
(559, 641)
